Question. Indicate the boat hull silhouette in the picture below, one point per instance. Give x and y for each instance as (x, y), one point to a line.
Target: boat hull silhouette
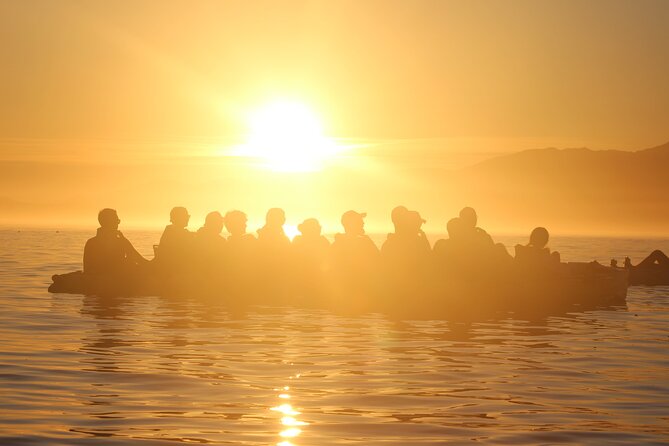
(655, 275)
(578, 286)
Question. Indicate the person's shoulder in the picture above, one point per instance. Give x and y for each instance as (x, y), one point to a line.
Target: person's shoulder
(424, 243)
(367, 241)
(341, 241)
(92, 241)
(482, 233)
(297, 240)
(440, 242)
(203, 234)
(388, 242)
(390, 238)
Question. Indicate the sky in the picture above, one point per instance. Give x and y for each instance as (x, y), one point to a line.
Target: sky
(162, 84)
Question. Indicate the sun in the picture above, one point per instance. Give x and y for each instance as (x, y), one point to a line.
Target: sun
(287, 136)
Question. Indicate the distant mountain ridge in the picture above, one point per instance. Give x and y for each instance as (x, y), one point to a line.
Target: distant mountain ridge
(610, 188)
(574, 190)
(583, 154)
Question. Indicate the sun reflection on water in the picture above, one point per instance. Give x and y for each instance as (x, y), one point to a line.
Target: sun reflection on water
(289, 421)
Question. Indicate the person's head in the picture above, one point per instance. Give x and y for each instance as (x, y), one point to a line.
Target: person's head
(468, 217)
(235, 222)
(353, 222)
(398, 217)
(275, 217)
(179, 216)
(214, 222)
(454, 228)
(310, 228)
(414, 222)
(108, 219)
(539, 237)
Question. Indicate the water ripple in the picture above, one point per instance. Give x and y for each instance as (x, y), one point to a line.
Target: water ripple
(79, 370)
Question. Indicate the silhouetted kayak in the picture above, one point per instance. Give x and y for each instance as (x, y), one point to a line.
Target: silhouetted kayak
(652, 276)
(585, 285)
(574, 286)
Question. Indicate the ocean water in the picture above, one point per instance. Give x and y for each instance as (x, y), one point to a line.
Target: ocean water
(78, 370)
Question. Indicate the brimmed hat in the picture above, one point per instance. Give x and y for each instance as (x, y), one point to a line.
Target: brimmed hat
(309, 223)
(416, 215)
(351, 215)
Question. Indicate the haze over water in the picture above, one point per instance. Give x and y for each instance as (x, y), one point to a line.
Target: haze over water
(85, 370)
(535, 113)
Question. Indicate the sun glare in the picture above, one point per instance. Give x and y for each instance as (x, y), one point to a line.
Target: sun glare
(291, 231)
(287, 136)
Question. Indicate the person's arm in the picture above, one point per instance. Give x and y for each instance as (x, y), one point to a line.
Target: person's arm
(371, 246)
(423, 238)
(88, 257)
(130, 251)
(164, 237)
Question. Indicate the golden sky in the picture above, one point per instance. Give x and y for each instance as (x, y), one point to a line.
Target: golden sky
(163, 84)
(578, 70)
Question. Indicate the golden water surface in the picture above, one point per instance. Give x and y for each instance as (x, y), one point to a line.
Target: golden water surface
(85, 370)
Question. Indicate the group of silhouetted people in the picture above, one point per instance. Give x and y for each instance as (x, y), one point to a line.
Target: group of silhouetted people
(269, 262)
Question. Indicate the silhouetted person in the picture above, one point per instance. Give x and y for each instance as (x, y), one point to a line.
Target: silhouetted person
(408, 223)
(210, 244)
(310, 254)
(175, 250)
(354, 245)
(176, 234)
(241, 255)
(235, 224)
(211, 230)
(472, 232)
(310, 244)
(109, 253)
(274, 255)
(469, 251)
(415, 228)
(481, 244)
(627, 263)
(398, 217)
(409, 240)
(450, 252)
(406, 256)
(535, 253)
(354, 256)
(468, 264)
(272, 233)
